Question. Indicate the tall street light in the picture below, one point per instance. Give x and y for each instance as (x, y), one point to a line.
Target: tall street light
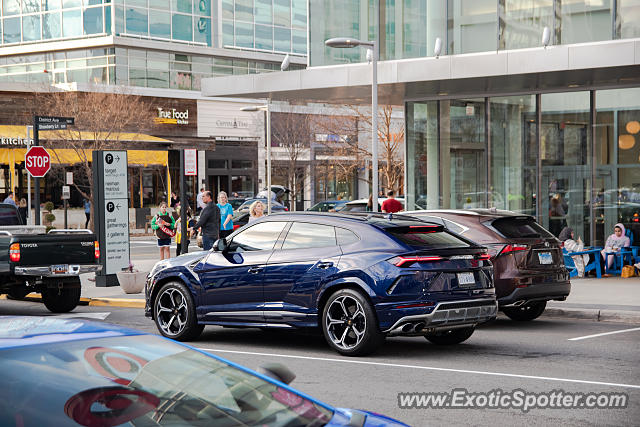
(265, 108)
(345, 42)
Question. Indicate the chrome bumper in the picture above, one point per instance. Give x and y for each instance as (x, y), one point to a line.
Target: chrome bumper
(446, 315)
(45, 271)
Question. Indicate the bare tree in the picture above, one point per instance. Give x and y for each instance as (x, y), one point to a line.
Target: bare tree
(351, 154)
(292, 132)
(103, 120)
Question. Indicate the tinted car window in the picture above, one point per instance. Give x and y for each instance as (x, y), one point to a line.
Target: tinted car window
(345, 236)
(454, 227)
(422, 237)
(9, 216)
(515, 227)
(355, 208)
(260, 237)
(305, 235)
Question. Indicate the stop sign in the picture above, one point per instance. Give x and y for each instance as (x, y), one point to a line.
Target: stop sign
(37, 161)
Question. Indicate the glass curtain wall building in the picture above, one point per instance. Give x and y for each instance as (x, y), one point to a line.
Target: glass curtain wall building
(464, 26)
(566, 150)
(181, 41)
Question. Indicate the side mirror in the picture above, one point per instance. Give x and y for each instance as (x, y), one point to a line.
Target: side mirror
(220, 245)
(277, 371)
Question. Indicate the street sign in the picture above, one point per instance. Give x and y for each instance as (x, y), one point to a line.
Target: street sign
(115, 175)
(66, 192)
(69, 178)
(53, 123)
(190, 162)
(37, 161)
(111, 213)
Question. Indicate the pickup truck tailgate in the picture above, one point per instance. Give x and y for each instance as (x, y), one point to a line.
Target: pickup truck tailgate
(51, 249)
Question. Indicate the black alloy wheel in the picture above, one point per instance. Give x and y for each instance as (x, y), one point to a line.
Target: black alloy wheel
(526, 312)
(350, 325)
(175, 313)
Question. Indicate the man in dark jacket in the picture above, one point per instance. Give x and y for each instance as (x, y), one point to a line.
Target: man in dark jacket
(209, 222)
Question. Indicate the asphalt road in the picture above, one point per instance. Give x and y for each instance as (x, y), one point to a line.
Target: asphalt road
(536, 357)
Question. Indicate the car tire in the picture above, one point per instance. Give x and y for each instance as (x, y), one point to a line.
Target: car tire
(61, 300)
(350, 325)
(450, 337)
(526, 312)
(18, 293)
(175, 313)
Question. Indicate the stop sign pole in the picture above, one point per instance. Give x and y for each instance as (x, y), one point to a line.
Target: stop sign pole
(36, 198)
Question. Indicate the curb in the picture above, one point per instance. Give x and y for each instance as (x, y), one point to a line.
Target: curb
(596, 315)
(95, 302)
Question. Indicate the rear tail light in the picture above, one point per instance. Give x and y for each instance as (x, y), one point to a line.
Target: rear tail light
(405, 261)
(96, 249)
(513, 248)
(14, 252)
(483, 257)
(236, 226)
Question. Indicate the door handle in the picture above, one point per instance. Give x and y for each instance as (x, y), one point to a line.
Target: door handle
(325, 265)
(255, 270)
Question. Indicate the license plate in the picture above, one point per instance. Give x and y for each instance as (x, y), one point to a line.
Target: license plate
(466, 280)
(545, 258)
(59, 269)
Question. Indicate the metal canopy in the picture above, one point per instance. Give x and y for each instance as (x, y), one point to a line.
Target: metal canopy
(557, 68)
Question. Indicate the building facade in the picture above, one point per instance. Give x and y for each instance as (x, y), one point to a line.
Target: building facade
(160, 50)
(530, 106)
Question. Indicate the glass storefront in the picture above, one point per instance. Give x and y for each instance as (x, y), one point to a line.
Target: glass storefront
(510, 164)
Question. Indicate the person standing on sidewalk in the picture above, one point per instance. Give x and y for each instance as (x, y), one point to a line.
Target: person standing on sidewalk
(226, 215)
(87, 212)
(164, 225)
(391, 205)
(200, 204)
(209, 222)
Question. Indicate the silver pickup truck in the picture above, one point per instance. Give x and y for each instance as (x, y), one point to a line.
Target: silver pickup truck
(32, 260)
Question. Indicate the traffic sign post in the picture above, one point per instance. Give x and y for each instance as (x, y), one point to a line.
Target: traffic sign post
(66, 195)
(37, 161)
(44, 123)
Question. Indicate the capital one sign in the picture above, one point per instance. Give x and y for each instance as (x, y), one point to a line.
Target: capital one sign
(37, 161)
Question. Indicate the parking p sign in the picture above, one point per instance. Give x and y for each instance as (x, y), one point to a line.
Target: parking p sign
(37, 161)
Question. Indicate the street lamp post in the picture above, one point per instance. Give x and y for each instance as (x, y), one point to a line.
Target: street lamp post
(265, 108)
(345, 42)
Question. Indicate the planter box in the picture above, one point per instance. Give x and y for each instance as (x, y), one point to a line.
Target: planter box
(132, 282)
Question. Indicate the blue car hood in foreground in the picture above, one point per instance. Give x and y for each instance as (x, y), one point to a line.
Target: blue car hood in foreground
(24, 331)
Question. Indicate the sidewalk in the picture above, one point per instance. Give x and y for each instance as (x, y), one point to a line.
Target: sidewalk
(609, 299)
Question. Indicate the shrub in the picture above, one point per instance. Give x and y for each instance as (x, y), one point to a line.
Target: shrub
(48, 206)
(50, 217)
(49, 228)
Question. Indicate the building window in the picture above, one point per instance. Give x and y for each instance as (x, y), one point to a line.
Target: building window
(241, 164)
(71, 23)
(217, 164)
(93, 21)
(182, 29)
(243, 185)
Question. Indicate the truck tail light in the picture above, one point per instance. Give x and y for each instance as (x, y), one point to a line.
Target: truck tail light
(96, 249)
(14, 252)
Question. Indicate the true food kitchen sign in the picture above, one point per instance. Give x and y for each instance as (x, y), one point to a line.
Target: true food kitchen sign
(172, 116)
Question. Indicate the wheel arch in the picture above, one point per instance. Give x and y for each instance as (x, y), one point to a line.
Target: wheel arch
(346, 283)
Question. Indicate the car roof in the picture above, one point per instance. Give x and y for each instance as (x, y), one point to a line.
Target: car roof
(380, 220)
(21, 331)
(491, 213)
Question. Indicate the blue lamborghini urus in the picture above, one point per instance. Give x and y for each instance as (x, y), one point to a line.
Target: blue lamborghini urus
(357, 277)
